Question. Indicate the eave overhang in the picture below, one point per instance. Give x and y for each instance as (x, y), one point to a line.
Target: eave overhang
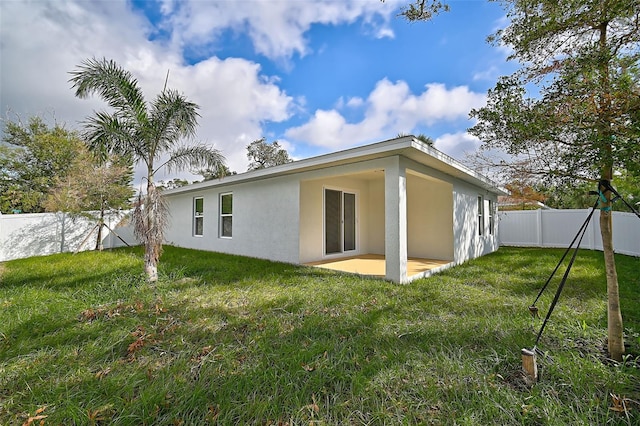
(406, 146)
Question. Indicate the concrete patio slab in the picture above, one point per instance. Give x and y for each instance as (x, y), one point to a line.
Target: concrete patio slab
(374, 265)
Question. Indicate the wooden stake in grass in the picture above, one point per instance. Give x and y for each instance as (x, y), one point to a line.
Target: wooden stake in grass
(529, 365)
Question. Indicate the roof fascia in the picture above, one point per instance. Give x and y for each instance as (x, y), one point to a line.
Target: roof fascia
(408, 146)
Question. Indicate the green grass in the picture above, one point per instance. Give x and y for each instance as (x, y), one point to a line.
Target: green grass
(231, 340)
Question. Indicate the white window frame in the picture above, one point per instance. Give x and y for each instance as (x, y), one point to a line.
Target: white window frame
(480, 215)
(223, 216)
(198, 216)
(491, 215)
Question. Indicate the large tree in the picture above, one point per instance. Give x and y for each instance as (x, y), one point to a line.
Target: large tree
(35, 155)
(151, 133)
(218, 173)
(263, 154)
(571, 112)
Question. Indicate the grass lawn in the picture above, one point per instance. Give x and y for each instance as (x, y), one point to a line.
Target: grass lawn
(232, 340)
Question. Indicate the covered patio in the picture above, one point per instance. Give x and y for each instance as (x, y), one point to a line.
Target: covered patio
(375, 265)
(389, 218)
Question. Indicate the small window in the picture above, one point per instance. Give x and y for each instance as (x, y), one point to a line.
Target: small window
(198, 216)
(491, 214)
(480, 215)
(226, 215)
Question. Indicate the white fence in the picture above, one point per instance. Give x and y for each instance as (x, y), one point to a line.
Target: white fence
(37, 234)
(25, 235)
(557, 228)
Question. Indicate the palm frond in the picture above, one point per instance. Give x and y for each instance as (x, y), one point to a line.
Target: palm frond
(172, 118)
(116, 86)
(197, 156)
(105, 135)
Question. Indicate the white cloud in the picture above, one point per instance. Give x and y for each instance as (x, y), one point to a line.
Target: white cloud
(276, 28)
(390, 108)
(457, 144)
(500, 25)
(385, 32)
(43, 41)
(490, 74)
(355, 102)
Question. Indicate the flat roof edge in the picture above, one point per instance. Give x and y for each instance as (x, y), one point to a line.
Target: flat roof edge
(397, 146)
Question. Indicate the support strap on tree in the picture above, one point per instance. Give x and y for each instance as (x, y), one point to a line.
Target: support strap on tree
(529, 364)
(606, 185)
(529, 355)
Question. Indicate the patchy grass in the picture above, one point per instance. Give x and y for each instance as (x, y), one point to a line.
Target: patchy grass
(232, 340)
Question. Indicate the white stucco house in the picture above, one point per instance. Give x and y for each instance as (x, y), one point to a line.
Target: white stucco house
(396, 201)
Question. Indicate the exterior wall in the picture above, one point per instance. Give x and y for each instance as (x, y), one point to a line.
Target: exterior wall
(265, 219)
(429, 218)
(282, 218)
(312, 214)
(375, 211)
(468, 244)
(459, 231)
(367, 180)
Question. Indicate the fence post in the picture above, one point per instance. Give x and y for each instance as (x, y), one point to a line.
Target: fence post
(2, 244)
(539, 227)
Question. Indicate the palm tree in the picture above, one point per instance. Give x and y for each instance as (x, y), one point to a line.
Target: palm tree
(149, 133)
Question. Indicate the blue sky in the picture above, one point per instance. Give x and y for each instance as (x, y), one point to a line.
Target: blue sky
(318, 76)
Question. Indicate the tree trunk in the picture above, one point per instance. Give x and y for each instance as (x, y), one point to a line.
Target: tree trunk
(150, 265)
(615, 339)
(151, 249)
(99, 245)
(614, 315)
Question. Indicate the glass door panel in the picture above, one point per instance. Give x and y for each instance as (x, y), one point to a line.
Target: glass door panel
(349, 221)
(332, 221)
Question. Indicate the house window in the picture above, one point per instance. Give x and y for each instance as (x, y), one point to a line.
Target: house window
(480, 215)
(198, 216)
(226, 215)
(491, 217)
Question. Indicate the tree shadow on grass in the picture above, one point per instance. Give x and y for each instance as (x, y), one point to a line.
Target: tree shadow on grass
(251, 342)
(345, 358)
(68, 271)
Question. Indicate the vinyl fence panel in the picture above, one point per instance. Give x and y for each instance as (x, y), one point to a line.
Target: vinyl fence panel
(626, 234)
(557, 228)
(38, 234)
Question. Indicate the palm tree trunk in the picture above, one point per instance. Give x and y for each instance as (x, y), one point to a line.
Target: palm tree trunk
(151, 249)
(99, 245)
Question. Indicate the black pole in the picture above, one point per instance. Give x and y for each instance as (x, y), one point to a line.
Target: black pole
(562, 283)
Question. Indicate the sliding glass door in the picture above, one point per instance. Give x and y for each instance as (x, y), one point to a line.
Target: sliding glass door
(339, 221)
